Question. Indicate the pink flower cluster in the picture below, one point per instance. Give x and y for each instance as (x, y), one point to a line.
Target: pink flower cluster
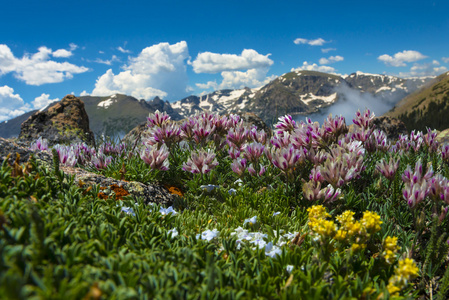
(416, 186)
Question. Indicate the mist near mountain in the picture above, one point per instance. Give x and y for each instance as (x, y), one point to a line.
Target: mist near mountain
(350, 100)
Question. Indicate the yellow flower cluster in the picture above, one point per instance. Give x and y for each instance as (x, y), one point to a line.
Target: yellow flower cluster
(350, 231)
(404, 272)
(390, 249)
(319, 224)
(371, 222)
(317, 212)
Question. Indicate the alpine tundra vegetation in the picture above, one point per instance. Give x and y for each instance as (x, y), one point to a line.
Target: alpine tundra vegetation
(314, 211)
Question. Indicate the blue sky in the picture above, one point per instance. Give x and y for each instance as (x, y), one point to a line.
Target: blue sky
(176, 48)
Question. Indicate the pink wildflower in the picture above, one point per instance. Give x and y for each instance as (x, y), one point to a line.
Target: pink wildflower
(201, 162)
(156, 158)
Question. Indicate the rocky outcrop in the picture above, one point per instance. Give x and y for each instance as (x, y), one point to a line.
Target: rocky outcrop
(12, 150)
(18, 154)
(113, 188)
(64, 122)
(391, 126)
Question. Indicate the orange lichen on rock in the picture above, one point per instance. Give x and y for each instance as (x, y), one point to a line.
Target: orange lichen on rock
(119, 191)
(174, 190)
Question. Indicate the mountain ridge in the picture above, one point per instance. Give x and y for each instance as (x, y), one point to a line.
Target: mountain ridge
(295, 93)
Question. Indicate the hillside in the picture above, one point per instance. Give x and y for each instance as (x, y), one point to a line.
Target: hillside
(428, 107)
(118, 114)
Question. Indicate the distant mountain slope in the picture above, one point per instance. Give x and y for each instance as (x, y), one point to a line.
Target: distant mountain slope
(116, 115)
(428, 107)
(384, 85)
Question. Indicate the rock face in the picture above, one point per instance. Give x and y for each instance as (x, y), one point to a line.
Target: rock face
(64, 122)
(391, 126)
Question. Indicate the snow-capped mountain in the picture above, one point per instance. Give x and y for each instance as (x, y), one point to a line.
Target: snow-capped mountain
(385, 85)
(218, 101)
(299, 93)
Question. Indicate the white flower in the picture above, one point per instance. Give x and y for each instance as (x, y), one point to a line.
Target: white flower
(173, 232)
(232, 191)
(271, 250)
(276, 213)
(209, 234)
(260, 243)
(238, 182)
(289, 268)
(209, 188)
(251, 221)
(168, 210)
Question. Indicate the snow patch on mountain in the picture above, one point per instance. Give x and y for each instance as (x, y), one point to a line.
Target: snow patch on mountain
(311, 97)
(108, 102)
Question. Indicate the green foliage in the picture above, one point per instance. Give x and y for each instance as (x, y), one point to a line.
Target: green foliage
(61, 241)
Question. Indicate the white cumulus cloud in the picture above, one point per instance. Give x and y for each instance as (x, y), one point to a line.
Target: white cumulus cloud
(314, 67)
(445, 59)
(330, 60)
(251, 78)
(11, 104)
(62, 53)
(208, 62)
(315, 42)
(248, 69)
(158, 70)
(42, 101)
(36, 69)
(401, 58)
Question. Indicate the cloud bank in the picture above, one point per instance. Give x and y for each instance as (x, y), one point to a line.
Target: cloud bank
(208, 62)
(43, 101)
(249, 69)
(12, 105)
(158, 70)
(38, 69)
(401, 58)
